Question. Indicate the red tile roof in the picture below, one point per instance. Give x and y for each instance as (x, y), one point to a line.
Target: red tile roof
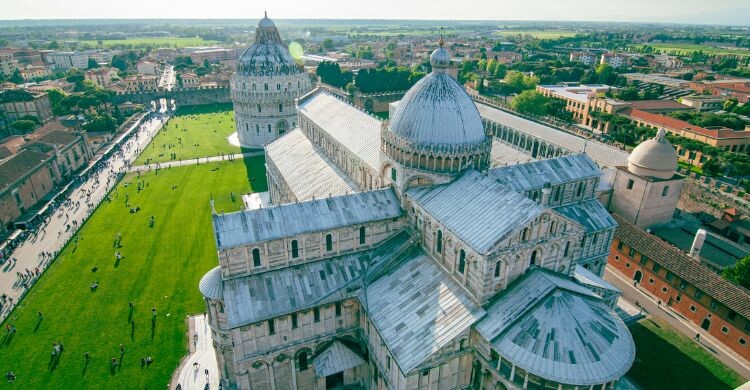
(686, 268)
(676, 125)
(17, 166)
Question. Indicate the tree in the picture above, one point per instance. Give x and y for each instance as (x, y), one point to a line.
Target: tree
(119, 63)
(101, 123)
(730, 104)
(739, 273)
(56, 97)
(16, 77)
(328, 44)
(712, 167)
(93, 64)
(23, 125)
(530, 102)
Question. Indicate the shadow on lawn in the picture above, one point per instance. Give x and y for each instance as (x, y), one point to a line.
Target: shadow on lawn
(255, 169)
(660, 365)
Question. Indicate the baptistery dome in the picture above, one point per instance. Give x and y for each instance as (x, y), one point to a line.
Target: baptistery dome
(437, 110)
(268, 56)
(654, 157)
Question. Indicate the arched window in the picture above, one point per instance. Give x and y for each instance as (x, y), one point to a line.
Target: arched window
(533, 258)
(557, 194)
(302, 361)
(552, 227)
(259, 108)
(439, 244)
(269, 128)
(256, 257)
(580, 189)
(567, 249)
(362, 236)
(265, 86)
(329, 242)
(497, 269)
(254, 87)
(461, 261)
(525, 235)
(295, 249)
(281, 108)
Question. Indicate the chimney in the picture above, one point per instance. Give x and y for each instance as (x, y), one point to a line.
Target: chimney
(700, 238)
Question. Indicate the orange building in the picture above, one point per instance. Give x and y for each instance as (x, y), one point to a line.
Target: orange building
(684, 285)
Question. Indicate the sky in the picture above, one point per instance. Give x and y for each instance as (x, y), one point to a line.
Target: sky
(665, 11)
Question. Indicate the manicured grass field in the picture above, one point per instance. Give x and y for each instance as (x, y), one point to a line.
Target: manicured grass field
(540, 34)
(666, 359)
(687, 48)
(142, 42)
(161, 268)
(194, 131)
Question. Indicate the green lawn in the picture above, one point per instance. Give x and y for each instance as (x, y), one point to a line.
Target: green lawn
(194, 131)
(667, 359)
(142, 42)
(540, 34)
(161, 268)
(687, 48)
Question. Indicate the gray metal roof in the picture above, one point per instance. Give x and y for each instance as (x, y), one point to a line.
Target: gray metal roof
(258, 297)
(559, 330)
(354, 129)
(306, 169)
(476, 208)
(586, 277)
(503, 154)
(417, 310)
(605, 155)
(558, 170)
(287, 220)
(334, 359)
(590, 213)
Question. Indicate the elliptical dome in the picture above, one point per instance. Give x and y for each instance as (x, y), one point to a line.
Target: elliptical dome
(437, 110)
(655, 157)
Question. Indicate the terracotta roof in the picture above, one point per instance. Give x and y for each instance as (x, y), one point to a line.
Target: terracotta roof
(19, 165)
(676, 125)
(686, 268)
(658, 105)
(58, 137)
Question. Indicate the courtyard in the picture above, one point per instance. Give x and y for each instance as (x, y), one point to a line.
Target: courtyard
(666, 359)
(83, 299)
(194, 131)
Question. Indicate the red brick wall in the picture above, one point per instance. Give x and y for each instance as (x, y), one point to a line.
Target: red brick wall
(626, 265)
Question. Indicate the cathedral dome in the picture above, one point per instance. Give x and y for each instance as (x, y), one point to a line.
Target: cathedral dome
(654, 157)
(436, 111)
(211, 285)
(267, 56)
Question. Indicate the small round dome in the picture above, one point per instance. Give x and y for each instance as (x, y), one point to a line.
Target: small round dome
(266, 23)
(654, 157)
(437, 111)
(211, 285)
(440, 59)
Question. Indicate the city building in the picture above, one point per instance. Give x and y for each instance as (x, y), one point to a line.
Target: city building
(28, 57)
(139, 83)
(738, 89)
(189, 80)
(8, 64)
(103, 77)
(31, 72)
(26, 177)
(213, 56)
(583, 57)
(264, 87)
(703, 103)
(65, 60)
(646, 191)
(505, 57)
(362, 271)
(683, 285)
(615, 60)
(18, 103)
(147, 67)
(577, 97)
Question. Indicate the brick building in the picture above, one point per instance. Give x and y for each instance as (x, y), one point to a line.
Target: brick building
(17, 103)
(719, 307)
(25, 178)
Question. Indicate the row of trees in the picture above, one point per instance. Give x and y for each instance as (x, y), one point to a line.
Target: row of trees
(386, 79)
(330, 73)
(531, 102)
(707, 119)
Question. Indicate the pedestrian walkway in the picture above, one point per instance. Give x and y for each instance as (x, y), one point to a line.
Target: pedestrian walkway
(52, 235)
(651, 305)
(191, 374)
(194, 161)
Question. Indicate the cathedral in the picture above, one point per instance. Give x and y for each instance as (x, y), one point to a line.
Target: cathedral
(393, 255)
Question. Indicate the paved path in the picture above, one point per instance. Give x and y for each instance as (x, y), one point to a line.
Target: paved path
(191, 375)
(61, 225)
(649, 304)
(193, 161)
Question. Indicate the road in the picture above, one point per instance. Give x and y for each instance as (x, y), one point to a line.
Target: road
(649, 304)
(64, 222)
(167, 79)
(193, 161)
